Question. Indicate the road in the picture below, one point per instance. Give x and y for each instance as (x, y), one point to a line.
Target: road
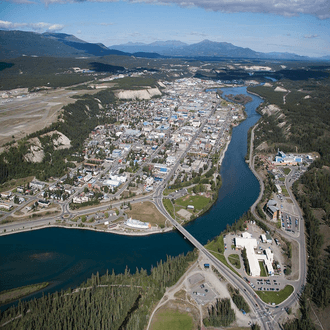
(299, 238)
(260, 309)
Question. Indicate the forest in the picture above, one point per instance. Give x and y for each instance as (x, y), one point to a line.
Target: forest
(302, 126)
(220, 314)
(122, 301)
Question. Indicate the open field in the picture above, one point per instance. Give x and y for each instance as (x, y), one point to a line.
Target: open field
(29, 112)
(15, 183)
(197, 201)
(234, 260)
(17, 293)
(147, 212)
(275, 296)
(216, 245)
(174, 320)
(286, 170)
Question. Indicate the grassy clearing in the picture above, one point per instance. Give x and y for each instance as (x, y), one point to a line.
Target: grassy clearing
(199, 202)
(262, 269)
(275, 296)
(174, 320)
(286, 170)
(17, 293)
(216, 245)
(167, 191)
(168, 206)
(285, 192)
(282, 179)
(15, 183)
(222, 258)
(146, 212)
(234, 260)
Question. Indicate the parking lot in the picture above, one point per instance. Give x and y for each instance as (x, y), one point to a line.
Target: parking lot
(201, 290)
(289, 222)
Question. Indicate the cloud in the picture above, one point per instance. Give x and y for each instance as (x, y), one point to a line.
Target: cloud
(38, 27)
(318, 8)
(311, 36)
(198, 34)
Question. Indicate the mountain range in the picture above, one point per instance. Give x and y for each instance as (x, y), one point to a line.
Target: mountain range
(205, 48)
(19, 43)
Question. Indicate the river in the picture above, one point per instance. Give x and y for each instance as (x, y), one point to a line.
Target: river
(67, 257)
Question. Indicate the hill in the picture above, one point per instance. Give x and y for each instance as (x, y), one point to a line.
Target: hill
(20, 43)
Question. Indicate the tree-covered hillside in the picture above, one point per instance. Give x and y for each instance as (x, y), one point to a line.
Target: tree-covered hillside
(76, 122)
(111, 301)
(301, 124)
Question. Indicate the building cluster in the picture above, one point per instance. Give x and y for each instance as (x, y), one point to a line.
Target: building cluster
(152, 135)
(137, 138)
(251, 244)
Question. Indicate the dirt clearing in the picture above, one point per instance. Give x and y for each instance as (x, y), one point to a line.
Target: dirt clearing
(146, 212)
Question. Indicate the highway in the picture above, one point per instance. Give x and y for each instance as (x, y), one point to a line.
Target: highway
(299, 238)
(266, 315)
(258, 307)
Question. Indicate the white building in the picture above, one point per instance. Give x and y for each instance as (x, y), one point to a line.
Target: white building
(263, 238)
(37, 185)
(149, 181)
(111, 183)
(170, 160)
(249, 244)
(137, 224)
(119, 178)
(7, 207)
(79, 200)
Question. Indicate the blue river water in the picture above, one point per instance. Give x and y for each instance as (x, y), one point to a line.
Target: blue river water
(67, 257)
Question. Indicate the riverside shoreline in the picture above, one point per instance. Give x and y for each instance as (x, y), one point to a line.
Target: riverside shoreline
(108, 230)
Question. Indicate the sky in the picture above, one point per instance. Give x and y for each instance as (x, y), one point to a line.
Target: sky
(295, 26)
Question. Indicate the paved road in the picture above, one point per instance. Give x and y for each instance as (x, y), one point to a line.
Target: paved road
(299, 238)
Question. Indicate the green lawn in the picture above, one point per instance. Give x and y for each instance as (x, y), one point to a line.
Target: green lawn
(286, 170)
(168, 206)
(282, 179)
(222, 258)
(262, 269)
(198, 201)
(216, 245)
(275, 296)
(284, 191)
(173, 320)
(234, 260)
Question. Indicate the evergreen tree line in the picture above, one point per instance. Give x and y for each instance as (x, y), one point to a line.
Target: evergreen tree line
(318, 276)
(111, 301)
(238, 299)
(220, 314)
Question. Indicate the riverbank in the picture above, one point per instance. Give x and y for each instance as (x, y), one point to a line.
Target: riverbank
(26, 227)
(9, 296)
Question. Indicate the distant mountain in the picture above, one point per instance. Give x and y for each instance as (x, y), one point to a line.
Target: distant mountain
(285, 56)
(89, 48)
(160, 47)
(19, 43)
(206, 48)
